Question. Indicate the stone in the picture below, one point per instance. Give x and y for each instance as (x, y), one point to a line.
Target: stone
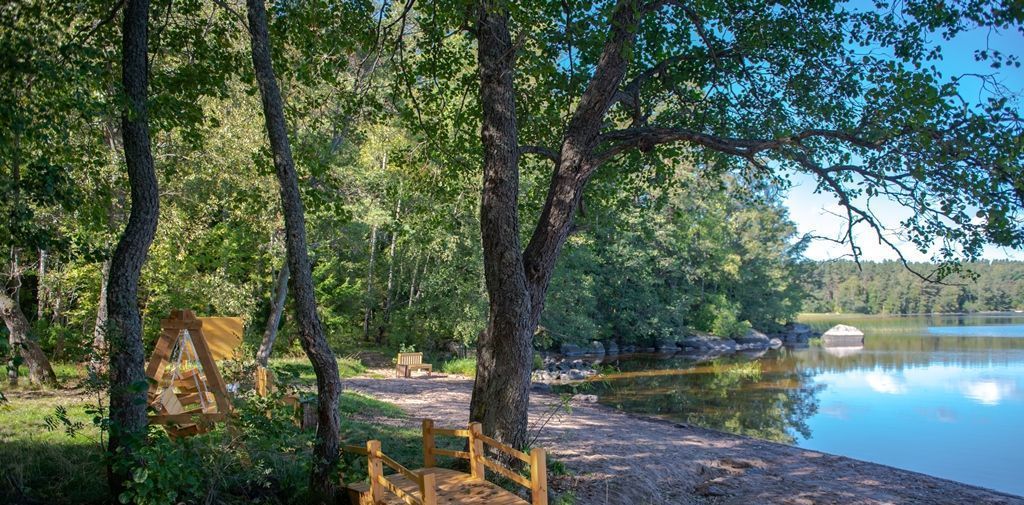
(612, 348)
(842, 335)
(795, 332)
(576, 375)
(753, 337)
(571, 350)
(774, 343)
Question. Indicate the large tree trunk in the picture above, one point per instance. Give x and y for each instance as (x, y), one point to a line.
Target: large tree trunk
(325, 452)
(501, 389)
(274, 318)
(517, 282)
(124, 326)
(368, 314)
(99, 332)
(39, 369)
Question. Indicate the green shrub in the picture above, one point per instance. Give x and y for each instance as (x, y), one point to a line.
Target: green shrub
(460, 366)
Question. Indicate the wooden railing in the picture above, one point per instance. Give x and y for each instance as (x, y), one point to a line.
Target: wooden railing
(479, 462)
(379, 484)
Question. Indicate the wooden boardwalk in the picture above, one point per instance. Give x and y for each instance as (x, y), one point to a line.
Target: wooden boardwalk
(431, 485)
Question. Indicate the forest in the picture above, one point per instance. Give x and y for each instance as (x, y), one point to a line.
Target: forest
(891, 288)
(482, 179)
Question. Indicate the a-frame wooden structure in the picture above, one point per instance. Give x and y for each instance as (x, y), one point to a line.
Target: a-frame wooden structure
(186, 389)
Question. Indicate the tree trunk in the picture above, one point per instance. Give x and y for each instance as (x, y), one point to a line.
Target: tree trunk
(39, 369)
(99, 340)
(41, 291)
(128, 384)
(368, 315)
(412, 280)
(501, 388)
(517, 282)
(325, 451)
(274, 319)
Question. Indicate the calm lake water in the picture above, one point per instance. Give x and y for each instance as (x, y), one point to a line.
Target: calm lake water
(942, 395)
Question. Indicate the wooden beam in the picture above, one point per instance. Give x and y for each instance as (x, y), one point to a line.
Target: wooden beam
(538, 476)
(428, 443)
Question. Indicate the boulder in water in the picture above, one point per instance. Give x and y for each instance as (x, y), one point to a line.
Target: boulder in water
(842, 335)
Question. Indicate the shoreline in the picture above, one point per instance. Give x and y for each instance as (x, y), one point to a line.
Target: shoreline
(621, 457)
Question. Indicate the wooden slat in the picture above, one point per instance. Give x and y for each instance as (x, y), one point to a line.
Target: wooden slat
(538, 476)
(396, 466)
(451, 433)
(186, 418)
(520, 455)
(451, 454)
(213, 378)
(515, 477)
(399, 492)
(355, 449)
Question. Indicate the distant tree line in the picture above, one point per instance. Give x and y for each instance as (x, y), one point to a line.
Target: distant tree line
(890, 288)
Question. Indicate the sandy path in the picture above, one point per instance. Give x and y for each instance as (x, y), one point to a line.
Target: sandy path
(624, 459)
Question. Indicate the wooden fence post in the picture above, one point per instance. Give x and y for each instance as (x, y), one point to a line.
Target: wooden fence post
(476, 452)
(428, 443)
(538, 477)
(429, 490)
(375, 470)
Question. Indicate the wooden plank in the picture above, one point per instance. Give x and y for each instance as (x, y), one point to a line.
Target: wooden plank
(213, 378)
(399, 492)
(161, 353)
(451, 454)
(520, 455)
(374, 470)
(538, 476)
(186, 418)
(476, 452)
(451, 433)
(428, 443)
(223, 336)
(354, 449)
(396, 466)
(514, 477)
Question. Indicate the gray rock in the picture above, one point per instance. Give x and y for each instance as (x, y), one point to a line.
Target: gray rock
(775, 343)
(576, 375)
(796, 332)
(753, 337)
(571, 350)
(612, 348)
(843, 336)
(540, 387)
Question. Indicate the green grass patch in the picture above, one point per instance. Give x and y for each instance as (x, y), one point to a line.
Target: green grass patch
(358, 403)
(300, 370)
(460, 366)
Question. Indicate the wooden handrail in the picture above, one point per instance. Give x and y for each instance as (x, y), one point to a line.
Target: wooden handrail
(354, 448)
(505, 472)
(520, 455)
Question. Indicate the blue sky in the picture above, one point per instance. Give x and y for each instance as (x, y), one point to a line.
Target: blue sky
(815, 213)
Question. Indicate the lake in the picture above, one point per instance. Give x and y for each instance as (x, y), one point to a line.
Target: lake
(941, 395)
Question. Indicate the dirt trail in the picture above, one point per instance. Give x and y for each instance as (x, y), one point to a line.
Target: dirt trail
(625, 459)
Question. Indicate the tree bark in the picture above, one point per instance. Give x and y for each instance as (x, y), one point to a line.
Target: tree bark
(274, 319)
(325, 451)
(39, 369)
(368, 314)
(124, 329)
(517, 282)
(99, 332)
(501, 388)
(41, 291)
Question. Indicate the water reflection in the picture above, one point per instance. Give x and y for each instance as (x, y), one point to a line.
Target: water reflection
(947, 402)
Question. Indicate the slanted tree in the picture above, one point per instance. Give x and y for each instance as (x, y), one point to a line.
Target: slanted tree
(128, 384)
(311, 334)
(846, 95)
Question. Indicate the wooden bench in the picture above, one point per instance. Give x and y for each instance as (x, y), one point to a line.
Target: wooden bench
(409, 361)
(432, 486)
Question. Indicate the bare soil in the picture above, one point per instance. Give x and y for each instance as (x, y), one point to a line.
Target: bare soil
(616, 458)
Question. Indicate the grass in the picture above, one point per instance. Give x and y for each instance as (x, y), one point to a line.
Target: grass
(301, 370)
(460, 366)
